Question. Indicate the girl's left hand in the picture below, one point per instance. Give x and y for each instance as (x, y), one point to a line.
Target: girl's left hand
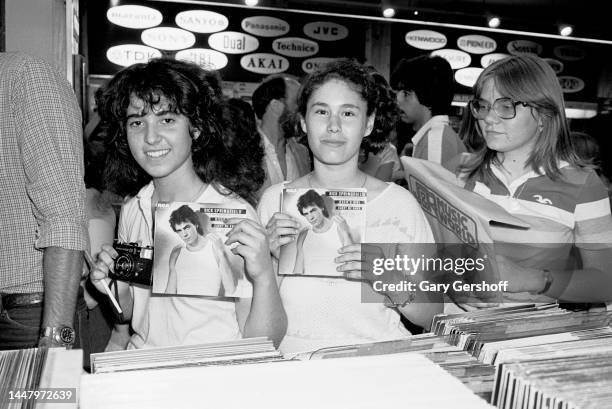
(252, 245)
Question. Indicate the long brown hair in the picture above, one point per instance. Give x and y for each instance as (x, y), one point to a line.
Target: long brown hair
(529, 79)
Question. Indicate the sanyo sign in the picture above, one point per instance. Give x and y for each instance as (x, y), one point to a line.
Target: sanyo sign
(201, 21)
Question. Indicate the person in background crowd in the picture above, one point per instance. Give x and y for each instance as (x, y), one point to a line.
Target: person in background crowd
(43, 230)
(274, 102)
(337, 106)
(424, 87)
(531, 168)
(378, 157)
(96, 321)
(170, 139)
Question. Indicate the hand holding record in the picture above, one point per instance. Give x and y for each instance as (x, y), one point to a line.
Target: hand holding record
(251, 243)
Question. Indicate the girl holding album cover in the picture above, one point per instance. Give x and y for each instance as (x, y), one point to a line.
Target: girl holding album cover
(337, 107)
(170, 138)
(530, 167)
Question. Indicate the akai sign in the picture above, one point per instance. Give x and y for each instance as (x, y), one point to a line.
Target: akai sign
(201, 21)
(517, 47)
(312, 64)
(233, 42)
(132, 16)
(204, 57)
(569, 52)
(128, 54)
(325, 31)
(265, 26)
(468, 76)
(556, 65)
(264, 63)
(168, 38)
(489, 59)
(295, 47)
(456, 59)
(571, 84)
(476, 44)
(425, 39)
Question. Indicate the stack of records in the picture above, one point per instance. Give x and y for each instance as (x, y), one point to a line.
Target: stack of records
(563, 373)
(20, 370)
(40, 377)
(512, 344)
(248, 350)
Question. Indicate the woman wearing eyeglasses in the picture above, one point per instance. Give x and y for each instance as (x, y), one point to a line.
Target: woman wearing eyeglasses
(529, 167)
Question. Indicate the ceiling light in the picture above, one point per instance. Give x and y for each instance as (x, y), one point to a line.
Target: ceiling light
(251, 3)
(493, 21)
(388, 12)
(566, 29)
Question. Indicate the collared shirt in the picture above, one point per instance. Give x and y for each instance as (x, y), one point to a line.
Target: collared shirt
(296, 158)
(573, 210)
(436, 141)
(41, 170)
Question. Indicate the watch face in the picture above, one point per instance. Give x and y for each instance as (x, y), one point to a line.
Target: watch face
(66, 335)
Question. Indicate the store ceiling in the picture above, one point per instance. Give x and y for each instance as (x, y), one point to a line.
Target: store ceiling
(590, 17)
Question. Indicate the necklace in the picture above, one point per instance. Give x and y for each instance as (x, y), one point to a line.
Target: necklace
(365, 180)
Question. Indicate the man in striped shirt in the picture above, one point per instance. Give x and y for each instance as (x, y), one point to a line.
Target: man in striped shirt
(424, 86)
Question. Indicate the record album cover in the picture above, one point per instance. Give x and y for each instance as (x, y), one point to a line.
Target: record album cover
(330, 219)
(190, 256)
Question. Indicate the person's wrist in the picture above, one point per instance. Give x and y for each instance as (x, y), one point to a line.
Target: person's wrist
(265, 279)
(547, 279)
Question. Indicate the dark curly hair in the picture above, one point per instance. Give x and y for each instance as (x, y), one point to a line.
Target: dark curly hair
(349, 71)
(387, 115)
(219, 157)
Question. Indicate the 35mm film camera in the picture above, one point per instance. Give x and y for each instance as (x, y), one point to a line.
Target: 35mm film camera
(133, 264)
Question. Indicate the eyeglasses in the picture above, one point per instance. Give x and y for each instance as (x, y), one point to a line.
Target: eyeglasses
(505, 108)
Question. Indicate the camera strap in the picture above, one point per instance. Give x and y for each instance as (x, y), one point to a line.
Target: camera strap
(113, 286)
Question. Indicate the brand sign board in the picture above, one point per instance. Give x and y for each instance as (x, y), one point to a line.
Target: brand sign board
(265, 26)
(233, 42)
(201, 21)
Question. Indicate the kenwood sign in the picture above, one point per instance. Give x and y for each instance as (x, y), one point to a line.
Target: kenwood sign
(425, 39)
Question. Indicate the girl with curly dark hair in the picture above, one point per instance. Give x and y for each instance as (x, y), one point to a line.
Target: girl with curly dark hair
(170, 137)
(337, 106)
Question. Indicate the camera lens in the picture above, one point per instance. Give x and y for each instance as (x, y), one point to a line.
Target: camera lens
(123, 265)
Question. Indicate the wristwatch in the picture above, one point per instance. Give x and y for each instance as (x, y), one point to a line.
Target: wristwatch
(63, 336)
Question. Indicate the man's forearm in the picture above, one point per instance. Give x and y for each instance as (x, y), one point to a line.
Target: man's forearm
(62, 274)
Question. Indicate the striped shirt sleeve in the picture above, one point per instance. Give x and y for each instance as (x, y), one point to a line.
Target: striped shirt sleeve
(593, 228)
